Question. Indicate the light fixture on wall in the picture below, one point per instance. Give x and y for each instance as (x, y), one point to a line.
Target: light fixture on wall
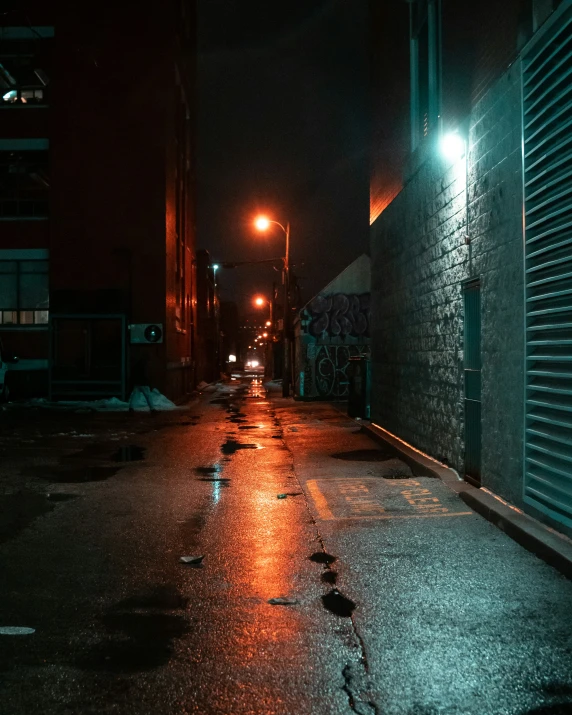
(452, 146)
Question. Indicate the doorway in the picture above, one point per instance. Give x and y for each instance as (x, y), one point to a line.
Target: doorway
(472, 378)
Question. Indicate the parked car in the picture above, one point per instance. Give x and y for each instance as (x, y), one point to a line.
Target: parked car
(7, 358)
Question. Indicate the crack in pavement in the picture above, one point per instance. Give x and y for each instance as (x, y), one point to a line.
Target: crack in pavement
(355, 701)
(352, 687)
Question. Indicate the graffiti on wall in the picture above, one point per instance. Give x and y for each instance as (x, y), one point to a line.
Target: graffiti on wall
(326, 370)
(339, 315)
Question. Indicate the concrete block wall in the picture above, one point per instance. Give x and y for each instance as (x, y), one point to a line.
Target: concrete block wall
(420, 261)
(496, 223)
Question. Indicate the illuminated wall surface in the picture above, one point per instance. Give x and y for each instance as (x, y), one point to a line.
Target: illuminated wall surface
(449, 364)
(419, 262)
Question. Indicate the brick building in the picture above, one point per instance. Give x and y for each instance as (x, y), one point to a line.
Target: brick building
(96, 195)
(471, 324)
(208, 345)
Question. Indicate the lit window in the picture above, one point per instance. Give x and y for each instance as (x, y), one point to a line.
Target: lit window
(24, 293)
(24, 65)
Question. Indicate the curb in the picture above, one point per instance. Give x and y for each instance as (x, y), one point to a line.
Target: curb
(420, 464)
(549, 545)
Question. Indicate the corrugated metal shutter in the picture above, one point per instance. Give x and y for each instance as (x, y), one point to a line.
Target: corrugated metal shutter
(547, 127)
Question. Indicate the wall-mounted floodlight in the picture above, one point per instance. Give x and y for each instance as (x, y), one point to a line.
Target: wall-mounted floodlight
(452, 146)
(215, 266)
(232, 358)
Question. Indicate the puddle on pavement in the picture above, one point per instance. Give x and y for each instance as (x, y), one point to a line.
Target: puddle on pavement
(236, 420)
(217, 480)
(321, 557)
(129, 453)
(363, 455)
(207, 470)
(250, 427)
(61, 496)
(161, 597)
(220, 401)
(17, 511)
(140, 641)
(71, 475)
(231, 446)
(91, 451)
(330, 577)
(190, 531)
(393, 469)
(338, 605)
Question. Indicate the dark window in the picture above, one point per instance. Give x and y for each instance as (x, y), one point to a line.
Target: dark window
(24, 71)
(24, 292)
(425, 68)
(423, 80)
(24, 184)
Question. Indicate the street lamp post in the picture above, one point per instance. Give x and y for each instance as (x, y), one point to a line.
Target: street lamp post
(269, 351)
(262, 224)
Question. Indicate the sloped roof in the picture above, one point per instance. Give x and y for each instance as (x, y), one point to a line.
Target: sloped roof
(354, 279)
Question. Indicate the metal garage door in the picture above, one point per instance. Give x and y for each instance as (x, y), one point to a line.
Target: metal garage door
(547, 126)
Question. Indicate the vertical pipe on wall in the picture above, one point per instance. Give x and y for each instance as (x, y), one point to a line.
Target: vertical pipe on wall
(414, 83)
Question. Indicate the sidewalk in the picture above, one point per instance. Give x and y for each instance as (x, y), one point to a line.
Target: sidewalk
(546, 543)
(447, 605)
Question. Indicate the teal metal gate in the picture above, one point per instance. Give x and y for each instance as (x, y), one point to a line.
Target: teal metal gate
(547, 157)
(472, 370)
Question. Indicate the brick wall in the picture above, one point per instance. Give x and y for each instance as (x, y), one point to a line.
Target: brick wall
(420, 260)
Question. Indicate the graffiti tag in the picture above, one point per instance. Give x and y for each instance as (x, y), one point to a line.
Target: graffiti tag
(339, 315)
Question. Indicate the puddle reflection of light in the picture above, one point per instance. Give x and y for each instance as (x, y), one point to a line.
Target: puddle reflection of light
(216, 491)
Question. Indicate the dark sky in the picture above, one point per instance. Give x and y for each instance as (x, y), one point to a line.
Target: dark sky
(282, 128)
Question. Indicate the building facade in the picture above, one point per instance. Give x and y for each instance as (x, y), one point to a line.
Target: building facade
(208, 345)
(472, 260)
(96, 207)
(331, 329)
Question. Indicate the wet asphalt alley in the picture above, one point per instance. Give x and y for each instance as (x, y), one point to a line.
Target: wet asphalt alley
(401, 600)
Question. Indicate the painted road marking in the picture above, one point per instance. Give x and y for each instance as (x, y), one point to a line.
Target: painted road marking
(342, 498)
(320, 501)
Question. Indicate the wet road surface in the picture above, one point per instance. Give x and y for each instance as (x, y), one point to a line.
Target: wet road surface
(391, 596)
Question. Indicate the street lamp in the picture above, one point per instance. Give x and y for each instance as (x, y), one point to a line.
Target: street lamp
(453, 146)
(263, 223)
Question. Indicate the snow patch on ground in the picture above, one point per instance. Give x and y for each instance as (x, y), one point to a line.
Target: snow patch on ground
(112, 404)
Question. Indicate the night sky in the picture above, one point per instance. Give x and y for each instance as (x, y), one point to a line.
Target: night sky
(282, 127)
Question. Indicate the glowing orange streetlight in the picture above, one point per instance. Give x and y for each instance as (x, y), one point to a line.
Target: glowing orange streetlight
(263, 223)
(264, 335)
(259, 300)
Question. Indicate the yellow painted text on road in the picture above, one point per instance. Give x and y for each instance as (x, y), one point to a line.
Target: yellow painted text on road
(343, 498)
